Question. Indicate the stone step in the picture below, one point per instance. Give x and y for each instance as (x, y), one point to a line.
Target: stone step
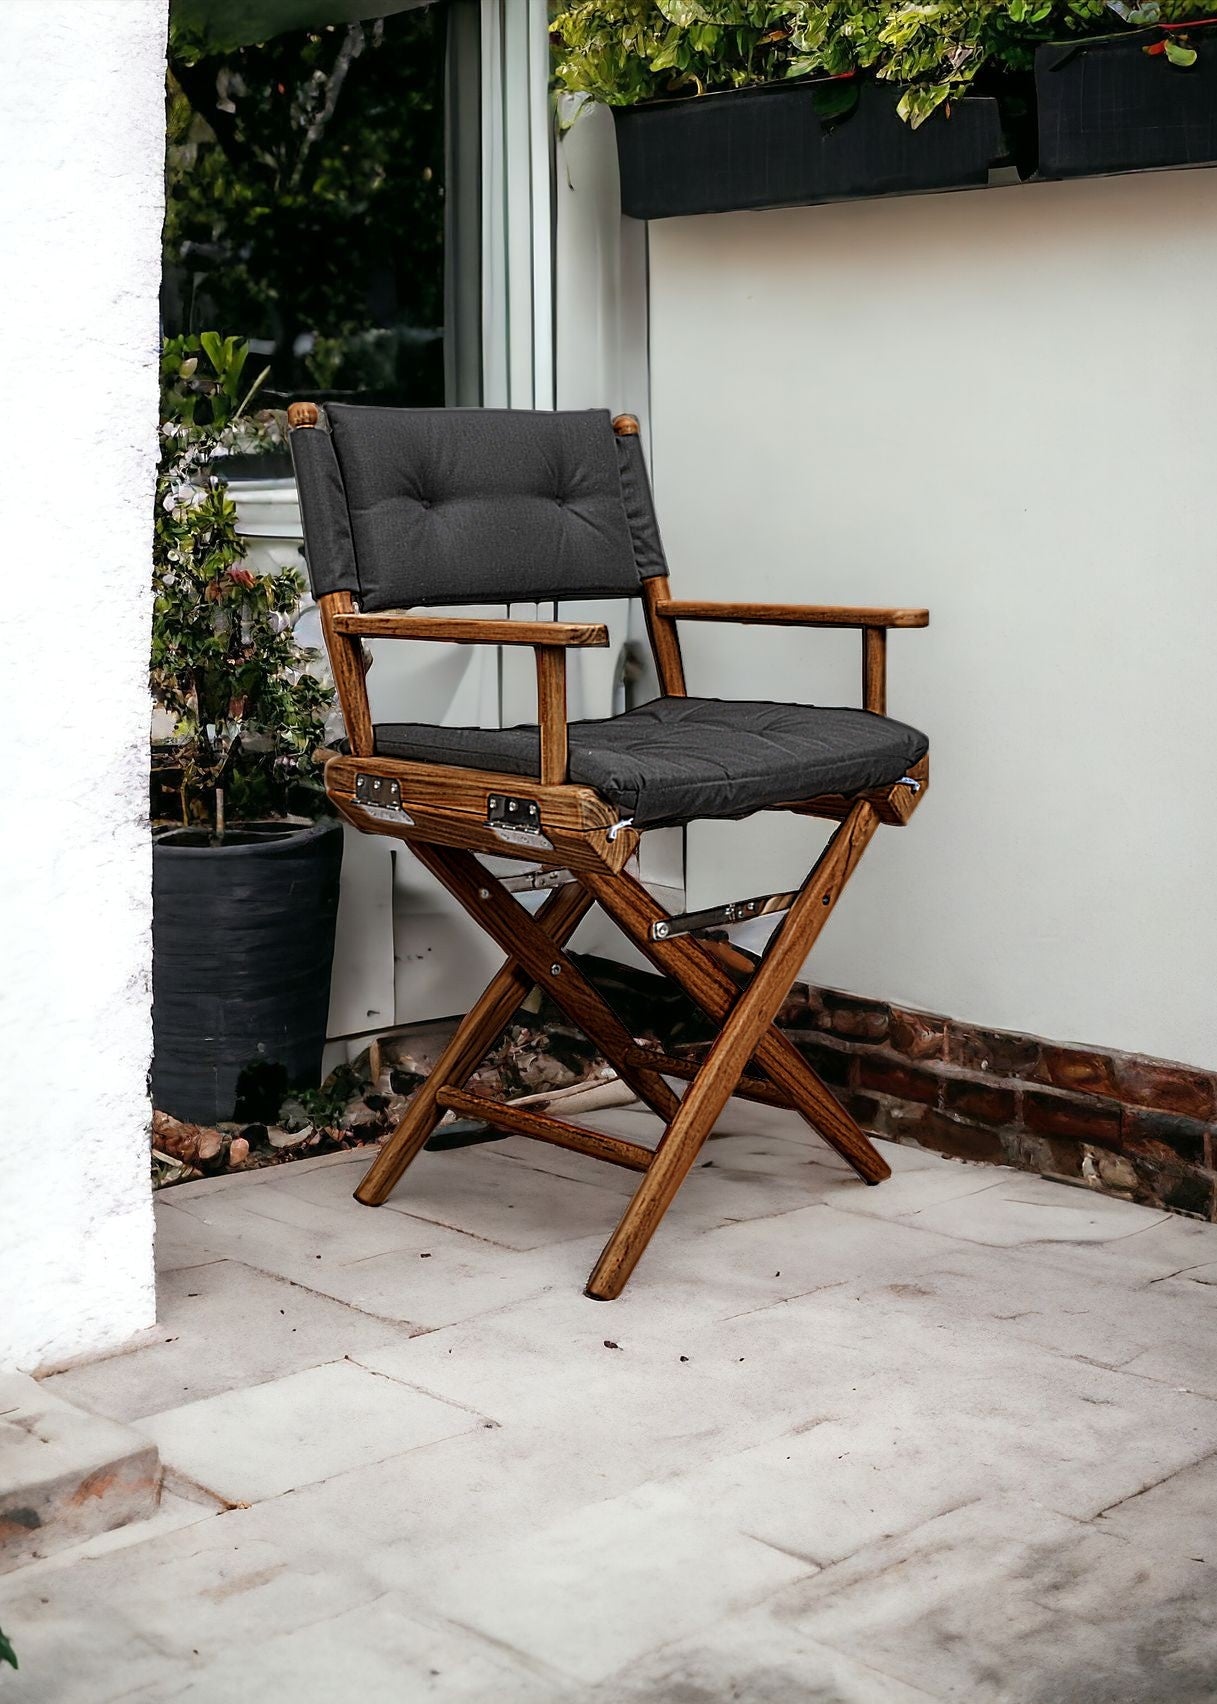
(65, 1475)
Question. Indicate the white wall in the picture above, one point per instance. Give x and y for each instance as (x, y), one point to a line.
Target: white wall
(81, 161)
(1002, 405)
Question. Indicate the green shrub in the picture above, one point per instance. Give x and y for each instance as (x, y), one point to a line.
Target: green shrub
(624, 51)
(227, 672)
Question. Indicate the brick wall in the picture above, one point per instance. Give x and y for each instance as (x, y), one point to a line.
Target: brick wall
(1140, 1128)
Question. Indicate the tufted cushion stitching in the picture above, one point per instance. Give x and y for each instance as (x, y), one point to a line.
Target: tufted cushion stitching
(483, 505)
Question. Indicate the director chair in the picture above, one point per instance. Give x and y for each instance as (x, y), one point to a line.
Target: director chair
(404, 508)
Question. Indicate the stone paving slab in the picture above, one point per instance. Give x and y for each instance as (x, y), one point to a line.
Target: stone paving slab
(247, 1445)
(952, 1438)
(226, 1326)
(65, 1475)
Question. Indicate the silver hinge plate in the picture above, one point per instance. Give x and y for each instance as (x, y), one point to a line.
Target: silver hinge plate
(515, 821)
(377, 796)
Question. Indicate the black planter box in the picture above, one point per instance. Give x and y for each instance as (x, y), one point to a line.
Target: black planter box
(1108, 106)
(769, 147)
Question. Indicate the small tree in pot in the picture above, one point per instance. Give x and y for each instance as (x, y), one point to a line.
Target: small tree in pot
(245, 881)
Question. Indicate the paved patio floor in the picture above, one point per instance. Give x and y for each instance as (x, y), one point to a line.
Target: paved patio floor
(952, 1438)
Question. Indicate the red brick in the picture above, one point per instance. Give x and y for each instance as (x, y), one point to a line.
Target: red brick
(864, 1110)
(984, 1103)
(1167, 1088)
(996, 1052)
(1181, 1138)
(834, 1064)
(1078, 1069)
(857, 1019)
(1049, 1113)
(917, 1036)
(1153, 1153)
(892, 1076)
(952, 1136)
(1194, 1192)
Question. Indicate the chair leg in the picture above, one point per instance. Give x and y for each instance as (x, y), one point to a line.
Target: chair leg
(737, 1040)
(700, 973)
(475, 1036)
(532, 942)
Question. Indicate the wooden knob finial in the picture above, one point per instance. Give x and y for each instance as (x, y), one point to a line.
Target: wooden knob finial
(301, 414)
(626, 426)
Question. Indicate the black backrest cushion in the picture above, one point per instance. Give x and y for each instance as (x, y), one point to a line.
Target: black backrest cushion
(491, 505)
(649, 558)
(329, 549)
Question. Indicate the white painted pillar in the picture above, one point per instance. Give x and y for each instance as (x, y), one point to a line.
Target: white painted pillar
(81, 191)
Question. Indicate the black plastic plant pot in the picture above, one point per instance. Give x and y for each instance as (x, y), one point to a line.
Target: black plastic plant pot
(1109, 105)
(242, 949)
(777, 146)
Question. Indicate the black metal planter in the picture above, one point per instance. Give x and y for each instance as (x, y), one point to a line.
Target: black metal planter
(1109, 106)
(770, 147)
(242, 948)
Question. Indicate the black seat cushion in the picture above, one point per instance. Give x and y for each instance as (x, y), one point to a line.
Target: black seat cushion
(678, 759)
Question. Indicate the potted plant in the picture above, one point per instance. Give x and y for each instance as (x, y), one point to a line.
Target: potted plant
(743, 103)
(723, 104)
(245, 866)
(1128, 102)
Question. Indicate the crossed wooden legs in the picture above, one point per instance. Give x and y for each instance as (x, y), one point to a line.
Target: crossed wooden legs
(535, 956)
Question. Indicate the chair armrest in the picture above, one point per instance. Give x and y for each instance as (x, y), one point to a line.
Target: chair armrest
(792, 615)
(470, 631)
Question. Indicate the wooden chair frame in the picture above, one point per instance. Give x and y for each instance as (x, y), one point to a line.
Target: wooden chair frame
(447, 814)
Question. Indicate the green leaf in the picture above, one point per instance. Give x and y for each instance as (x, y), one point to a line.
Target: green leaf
(213, 347)
(7, 1653)
(835, 101)
(1178, 53)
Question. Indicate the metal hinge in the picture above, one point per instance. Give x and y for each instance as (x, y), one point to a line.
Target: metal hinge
(379, 797)
(516, 821)
(722, 916)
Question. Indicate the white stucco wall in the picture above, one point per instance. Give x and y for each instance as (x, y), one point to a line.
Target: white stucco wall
(81, 162)
(1001, 405)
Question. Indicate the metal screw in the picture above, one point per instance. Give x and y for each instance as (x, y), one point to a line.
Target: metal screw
(661, 931)
(555, 970)
(483, 893)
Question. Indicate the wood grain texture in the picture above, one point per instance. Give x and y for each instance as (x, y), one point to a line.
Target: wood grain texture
(874, 669)
(527, 1121)
(507, 923)
(462, 630)
(348, 669)
(302, 414)
(747, 1088)
(551, 713)
(691, 964)
(475, 1036)
(745, 1026)
(446, 788)
(893, 805)
(664, 639)
(791, 615)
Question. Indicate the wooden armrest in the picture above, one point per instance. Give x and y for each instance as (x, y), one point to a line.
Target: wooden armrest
(792, 615)
(463, 631)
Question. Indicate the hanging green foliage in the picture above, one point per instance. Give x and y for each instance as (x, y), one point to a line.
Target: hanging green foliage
(623, 51)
